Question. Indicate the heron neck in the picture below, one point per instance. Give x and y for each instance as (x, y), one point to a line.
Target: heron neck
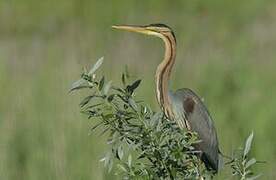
(163, 74)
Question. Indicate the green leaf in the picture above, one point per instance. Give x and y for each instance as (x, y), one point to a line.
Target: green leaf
(254, 177)
(248, 144)
(93, 106)
(96, 126)
(133, 86)
(120, 152)
(104, 131)
(110, 165)
(155, 119)
(78, 85)
(81, 87)
(103, 159)
(107, 87)
(120, 166)
(119, 90)
(142, 155)
(101, 83)
(96, 66)
(129, 160)
(123, 79)
(86, 100)
(106, 159)
(133, 104)
(250, 163)
(126, 72)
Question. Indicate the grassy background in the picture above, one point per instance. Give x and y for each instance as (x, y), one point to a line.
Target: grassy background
(226, 53)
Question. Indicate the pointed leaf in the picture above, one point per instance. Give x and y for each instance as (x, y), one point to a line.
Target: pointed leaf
(104, 131)
(133, 86)
(123, 79)
(120, 153)
(101, 84)
(248, 144)
(80, 87)
(93, 106)
(250, 163)
(129, 160)
(96, 126)
(77, 84)
(254, 177)
(96, 66)
(142, 155)
(103, 159)
(85, 101)
(106, 159)
(122, 168)
(110, 165)
(119, 90)
(127, 75)
(155, 119)
(133, 104)
(107, 87)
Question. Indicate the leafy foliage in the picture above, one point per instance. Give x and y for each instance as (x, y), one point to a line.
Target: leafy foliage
(241, 164)
(145, 144)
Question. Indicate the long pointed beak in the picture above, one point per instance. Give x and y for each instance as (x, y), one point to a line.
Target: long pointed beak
(138, 29)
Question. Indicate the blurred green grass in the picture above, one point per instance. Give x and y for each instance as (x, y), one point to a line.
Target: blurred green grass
(226, 53)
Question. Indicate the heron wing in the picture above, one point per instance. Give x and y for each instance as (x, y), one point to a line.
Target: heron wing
(197, 118)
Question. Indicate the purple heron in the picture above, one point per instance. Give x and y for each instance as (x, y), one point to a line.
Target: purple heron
(182, 106)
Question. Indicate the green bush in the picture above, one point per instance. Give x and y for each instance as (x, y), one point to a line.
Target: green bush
(143, 143)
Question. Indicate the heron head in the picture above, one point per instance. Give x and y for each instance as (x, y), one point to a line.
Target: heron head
(158, 30)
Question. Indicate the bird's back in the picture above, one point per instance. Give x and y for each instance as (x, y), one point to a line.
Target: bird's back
(190, 108)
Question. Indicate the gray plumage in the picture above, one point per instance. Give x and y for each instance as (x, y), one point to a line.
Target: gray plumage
(189, 107)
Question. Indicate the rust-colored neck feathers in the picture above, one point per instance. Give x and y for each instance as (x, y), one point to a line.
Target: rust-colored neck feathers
(163, 74)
